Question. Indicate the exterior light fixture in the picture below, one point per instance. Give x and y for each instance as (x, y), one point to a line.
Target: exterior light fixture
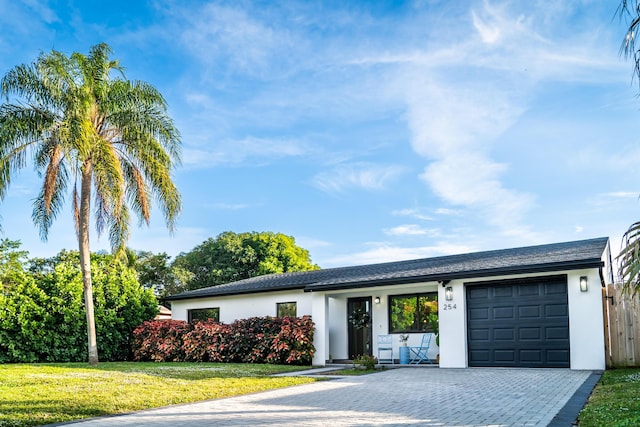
(448, 293)
(584, 285)
(376, 300)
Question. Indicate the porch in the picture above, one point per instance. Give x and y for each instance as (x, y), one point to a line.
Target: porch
(349, 322)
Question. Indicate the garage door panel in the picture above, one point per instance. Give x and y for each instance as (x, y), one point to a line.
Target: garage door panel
(502, 313)
(505, 356)
(518, 323)
(479, 357)
(558, 356)
(477, 293)
(529, 334)
(557, 333)
(504, 334)
(479, 314)
(556, 310)
(480, 334)
(529, 290)
(531, 356)
(503, 292)
(529, 312)
(555, 288)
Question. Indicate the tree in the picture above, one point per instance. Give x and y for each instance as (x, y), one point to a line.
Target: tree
(11, 265)
(89, 129)
(629, 257)
(156, 272)
(230, 257)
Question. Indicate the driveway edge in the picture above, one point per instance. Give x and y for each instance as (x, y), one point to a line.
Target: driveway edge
(568, 415)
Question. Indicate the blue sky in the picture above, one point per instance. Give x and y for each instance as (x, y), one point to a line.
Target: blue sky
(369, 131)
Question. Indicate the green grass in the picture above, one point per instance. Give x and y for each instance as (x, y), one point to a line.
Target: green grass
(37, 394)
(615, 401)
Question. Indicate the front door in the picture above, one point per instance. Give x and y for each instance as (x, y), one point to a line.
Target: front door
(359, 321)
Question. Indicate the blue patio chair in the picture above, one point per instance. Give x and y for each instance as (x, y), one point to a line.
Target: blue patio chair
(385, 345)
(418, 354)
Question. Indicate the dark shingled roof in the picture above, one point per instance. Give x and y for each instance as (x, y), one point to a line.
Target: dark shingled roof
(532, 259)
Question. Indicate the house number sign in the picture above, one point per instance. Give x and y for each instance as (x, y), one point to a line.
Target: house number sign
(449, 307)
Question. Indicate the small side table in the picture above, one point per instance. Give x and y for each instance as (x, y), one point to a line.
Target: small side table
(404, 355)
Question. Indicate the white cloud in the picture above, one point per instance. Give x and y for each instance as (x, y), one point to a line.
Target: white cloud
(311, 243)
(43, 10)
(382, 252)
(229, 206)
(462, 94)
(220, 32)
(410, 230)
(413, 213)
(489, 33)
(622, 194)
(356, 175)
(244, 151)
(448, 212)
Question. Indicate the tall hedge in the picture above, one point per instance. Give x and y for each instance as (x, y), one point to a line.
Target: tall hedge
(42, 317)
(282, 340)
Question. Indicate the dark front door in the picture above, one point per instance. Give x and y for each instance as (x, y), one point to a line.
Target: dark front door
(359, 318)
(521, 323)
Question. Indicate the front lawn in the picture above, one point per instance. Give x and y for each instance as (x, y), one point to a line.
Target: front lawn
(615, 401)
(37, 394)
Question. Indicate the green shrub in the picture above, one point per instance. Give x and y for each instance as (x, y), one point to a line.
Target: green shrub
(42, 316)
(365, 361)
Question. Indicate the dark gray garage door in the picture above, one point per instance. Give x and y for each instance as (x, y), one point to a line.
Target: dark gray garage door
(521, 323)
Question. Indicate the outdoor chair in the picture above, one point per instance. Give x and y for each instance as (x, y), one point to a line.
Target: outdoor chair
(385, 346)
(418, 354)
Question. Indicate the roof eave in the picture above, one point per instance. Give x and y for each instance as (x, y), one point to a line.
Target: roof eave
(438, 277)
(229, 292)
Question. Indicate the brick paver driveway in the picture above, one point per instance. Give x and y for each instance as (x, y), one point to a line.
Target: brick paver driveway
(396, 397)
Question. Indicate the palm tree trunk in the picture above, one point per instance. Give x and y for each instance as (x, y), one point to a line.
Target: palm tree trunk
(85, 259)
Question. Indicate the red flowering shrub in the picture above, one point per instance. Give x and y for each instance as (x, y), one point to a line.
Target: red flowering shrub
(207, 342)
(286, 340)
(293, 344)
(159, 340)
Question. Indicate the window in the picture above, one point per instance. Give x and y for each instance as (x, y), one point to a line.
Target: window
(203, 314)
(413, 313)
(286, 309)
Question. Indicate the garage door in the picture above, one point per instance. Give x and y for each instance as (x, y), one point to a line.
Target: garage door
(518, 323)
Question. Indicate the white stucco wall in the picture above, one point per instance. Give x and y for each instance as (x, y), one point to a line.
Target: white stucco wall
(235, 307)
(453, 326)
(586, 325)
(338, 345)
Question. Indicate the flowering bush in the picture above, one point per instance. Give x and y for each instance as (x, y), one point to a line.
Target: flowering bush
(159, 340)
(280, 340)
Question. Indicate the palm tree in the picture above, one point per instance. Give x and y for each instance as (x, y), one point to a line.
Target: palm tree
(88, 129)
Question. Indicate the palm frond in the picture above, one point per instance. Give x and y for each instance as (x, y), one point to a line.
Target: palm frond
(629, 259)
(51, 198)
(137, 192)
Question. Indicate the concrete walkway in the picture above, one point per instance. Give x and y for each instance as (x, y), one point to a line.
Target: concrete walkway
(396, 397)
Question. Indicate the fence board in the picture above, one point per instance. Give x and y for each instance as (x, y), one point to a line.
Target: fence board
(622, 327)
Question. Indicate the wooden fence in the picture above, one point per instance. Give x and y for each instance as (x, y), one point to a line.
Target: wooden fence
(622, 327)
